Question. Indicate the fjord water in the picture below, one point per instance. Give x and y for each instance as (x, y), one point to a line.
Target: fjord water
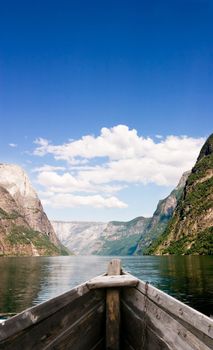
(27, 281)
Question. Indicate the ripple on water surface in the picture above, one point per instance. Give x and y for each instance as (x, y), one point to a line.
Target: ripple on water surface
(32, 280)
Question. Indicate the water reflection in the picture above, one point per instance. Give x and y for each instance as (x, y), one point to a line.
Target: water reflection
(20, 283)
(29, 281)
(64, 273)
(187, 278)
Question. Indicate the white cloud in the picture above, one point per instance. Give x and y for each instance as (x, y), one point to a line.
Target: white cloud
(67, 183)
(119, 143)
(13, 145)
(47, 167)
(123, 158)
(70, 201)
(134, 171)
(116, 143)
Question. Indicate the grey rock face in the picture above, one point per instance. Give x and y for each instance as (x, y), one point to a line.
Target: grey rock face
(80, 237)
(162, 215)
(16, 182)
(111, 238)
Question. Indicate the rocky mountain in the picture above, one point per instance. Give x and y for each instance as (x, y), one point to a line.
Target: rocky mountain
(80, 237)
(161, 216)
(190, 230)
(121, 238)
(117, 237)
(24, 227)
(113, 238)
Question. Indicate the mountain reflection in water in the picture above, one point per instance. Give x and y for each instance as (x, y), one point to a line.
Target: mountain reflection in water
(27, 281)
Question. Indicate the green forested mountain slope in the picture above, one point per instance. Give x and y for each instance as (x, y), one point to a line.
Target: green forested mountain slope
(190, 230)
(159, 221)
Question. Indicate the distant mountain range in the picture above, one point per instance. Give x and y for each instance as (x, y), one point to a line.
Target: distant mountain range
(113, 238)
(117, 237)
(24, 227)
(80, 237)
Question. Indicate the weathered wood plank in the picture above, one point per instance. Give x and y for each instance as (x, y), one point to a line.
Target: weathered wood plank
(179, 309)
(112, 319)
(100, 345)
(113, 310)
(138, 335)
(114, 267)
(112, 281)
(83, 334)
(37, 313)
(44, 332)
(173, 333)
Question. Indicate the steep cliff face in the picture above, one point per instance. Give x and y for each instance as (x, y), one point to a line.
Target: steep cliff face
(16, 182)
(24, 227)
(80, 237)
(121, 238)
(191, 228)
(113, 238)
(161, 216)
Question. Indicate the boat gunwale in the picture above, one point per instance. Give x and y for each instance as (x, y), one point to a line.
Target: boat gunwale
(174, 332)
(176, 307)
(35, 314)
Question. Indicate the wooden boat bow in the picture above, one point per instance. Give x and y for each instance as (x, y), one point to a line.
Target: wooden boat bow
(113, 311)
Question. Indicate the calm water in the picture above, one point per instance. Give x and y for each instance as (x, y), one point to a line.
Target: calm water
(29, 281)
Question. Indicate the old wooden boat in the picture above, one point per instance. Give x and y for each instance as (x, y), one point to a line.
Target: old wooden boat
(112, 311)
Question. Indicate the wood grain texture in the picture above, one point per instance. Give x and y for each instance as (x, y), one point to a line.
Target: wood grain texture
(175, 335)
(83, 334)
(112, 281)
(45, 332)
(137, 334)
(113, 310)
(114, 267)
(100, 345)
(39, 312)
(179, 309)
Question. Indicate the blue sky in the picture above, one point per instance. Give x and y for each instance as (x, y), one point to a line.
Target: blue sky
(71, 68)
